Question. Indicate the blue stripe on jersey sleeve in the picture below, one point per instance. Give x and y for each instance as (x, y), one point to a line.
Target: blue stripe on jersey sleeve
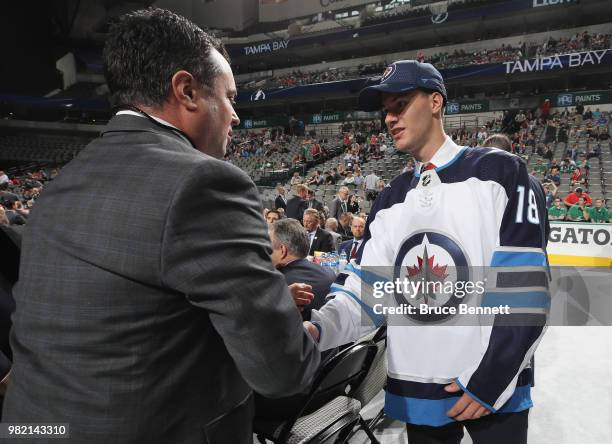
(528, 299)
(377, 319)
(364, 275)
(518, 259)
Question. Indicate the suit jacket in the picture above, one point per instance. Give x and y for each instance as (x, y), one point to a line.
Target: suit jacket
(322, 241)
(295, 208)
(135, 322)
(316, 204)
(10, 242)
(337, 239)
(306, 272)
(279, 202)
(347, 247)
(336, 208)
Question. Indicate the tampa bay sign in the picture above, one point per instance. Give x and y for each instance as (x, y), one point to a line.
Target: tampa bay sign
(572, 60)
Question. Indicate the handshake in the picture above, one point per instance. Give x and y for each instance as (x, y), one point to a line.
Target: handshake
(302, 296)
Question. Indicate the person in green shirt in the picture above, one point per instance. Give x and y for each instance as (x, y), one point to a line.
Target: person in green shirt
(557, 211)
(541, 167)
(578, 212)
(599, 213)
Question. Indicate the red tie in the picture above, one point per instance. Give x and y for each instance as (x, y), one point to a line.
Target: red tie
(427, 166)
(354, 250)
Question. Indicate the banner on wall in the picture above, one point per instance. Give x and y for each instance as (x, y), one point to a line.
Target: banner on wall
(575, 244)
(480, 106)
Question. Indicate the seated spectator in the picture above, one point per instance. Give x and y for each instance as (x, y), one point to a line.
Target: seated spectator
(557, 211)
(578, 212)
(290, 247)
(272, 216)
(344, 226)
(599, 213)
(296, 179)
(554, 176)
(550, 191)
(541, 167)
(572, 198)
(352, 246)
(313, 202)
(318, 239)
(577, 177)
(329, 178)
(409, 168)
(358, 178)
(353, 204)
(331, 225)
(349, 179)
(316, 178)
(568, 165)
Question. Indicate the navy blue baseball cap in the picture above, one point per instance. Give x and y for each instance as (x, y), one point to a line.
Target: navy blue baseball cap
(401, 77)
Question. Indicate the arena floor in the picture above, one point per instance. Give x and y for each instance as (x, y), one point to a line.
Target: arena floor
(572, 397)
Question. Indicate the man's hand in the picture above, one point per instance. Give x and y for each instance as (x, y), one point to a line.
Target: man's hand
(302, 295)
(466, 408)
(314, 331)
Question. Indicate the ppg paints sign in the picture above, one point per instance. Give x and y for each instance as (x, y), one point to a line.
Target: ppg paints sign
(467, 107)
(576, 99)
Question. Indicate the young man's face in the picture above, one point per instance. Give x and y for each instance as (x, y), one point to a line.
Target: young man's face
(409, 119)
(557, 203)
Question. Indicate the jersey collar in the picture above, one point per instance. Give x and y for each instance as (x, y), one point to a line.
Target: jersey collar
(446, 155)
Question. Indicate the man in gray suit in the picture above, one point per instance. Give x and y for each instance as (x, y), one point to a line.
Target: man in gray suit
(338, 206)
(142, 315)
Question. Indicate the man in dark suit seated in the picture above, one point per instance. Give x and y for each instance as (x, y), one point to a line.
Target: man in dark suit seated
(352, 246)
(344, 226)
(142, 315)
(289, 251)
(318, 238)
(297, 204)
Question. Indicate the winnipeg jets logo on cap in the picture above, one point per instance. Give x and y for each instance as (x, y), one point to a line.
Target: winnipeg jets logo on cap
(388, 72)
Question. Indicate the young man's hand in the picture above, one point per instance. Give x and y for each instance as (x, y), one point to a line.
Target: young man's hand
(466, 407)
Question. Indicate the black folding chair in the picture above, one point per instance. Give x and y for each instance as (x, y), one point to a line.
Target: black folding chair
(328, 413)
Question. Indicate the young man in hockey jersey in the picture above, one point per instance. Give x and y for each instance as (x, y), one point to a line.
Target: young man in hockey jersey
(461, 207)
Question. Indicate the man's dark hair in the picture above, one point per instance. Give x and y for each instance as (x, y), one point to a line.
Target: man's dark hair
(500, 141)
(146, 48)
(291, 234)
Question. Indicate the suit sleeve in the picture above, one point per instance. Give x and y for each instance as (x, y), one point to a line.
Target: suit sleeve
(518, 278)
(216, 251)
(328, 242)
(333, 207)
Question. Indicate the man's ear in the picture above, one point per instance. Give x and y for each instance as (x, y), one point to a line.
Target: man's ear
(185, 90)
(284, 251)
(437, 103)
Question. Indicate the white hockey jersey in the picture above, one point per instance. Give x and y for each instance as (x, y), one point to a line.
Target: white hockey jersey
(475, 210)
